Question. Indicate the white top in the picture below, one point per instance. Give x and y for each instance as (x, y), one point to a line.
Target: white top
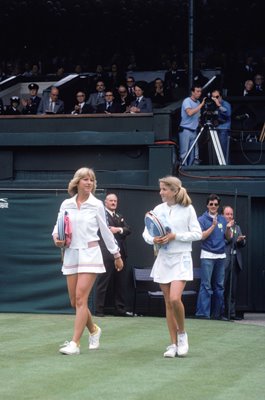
(182, 221)
(174, 261)
(85, 223)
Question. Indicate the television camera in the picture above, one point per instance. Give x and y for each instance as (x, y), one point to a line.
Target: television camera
(209, 114)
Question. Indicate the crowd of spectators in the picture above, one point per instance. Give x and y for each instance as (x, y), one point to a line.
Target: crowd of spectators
(106, 98)
(246, 80)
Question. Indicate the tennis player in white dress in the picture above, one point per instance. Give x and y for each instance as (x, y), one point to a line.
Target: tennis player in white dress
(173, 265)
(82, 258)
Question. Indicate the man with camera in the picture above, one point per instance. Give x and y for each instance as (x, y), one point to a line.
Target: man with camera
(190, 114)
(223, 115)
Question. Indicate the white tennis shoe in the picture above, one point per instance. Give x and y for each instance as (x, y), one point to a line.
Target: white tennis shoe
(70, 348)
(183, 345)
(93, 341)
(172, 351)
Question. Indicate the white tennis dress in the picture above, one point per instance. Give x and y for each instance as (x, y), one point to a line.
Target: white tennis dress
(84, 254)
(174, 261)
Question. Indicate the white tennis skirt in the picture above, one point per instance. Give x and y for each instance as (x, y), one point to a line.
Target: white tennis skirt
(87, 260)
(169, 267)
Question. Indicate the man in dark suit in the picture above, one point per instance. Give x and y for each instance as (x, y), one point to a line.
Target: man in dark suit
(51, 104)
(98, 97)
(141, 104)
(120, 230)
(130, 84)
(234, 263)
(30, 105)
(81, 107)
(259, 87)
(109, 106)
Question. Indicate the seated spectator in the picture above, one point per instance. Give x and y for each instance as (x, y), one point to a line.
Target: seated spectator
(247, 70)
(249, 88)
(132, 66)
(141, 104)
(123, 99)
(60, 74)
(12, 109)
(100, 76)
(159, 95)
(109, 106)
(98, 97)
(116, 78)
(78, 69)
(31, 104)
(259, 89)
(51, 104)
(81, 107)
(173, 77)
(27, 73)
(35, 71)
(130, 83)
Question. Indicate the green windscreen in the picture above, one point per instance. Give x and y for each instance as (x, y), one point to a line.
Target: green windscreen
(30, 264)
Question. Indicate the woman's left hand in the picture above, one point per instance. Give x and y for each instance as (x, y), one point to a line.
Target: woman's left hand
(118, 263)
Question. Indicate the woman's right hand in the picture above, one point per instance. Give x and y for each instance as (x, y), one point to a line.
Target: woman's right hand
(118, 264)
(158, 240)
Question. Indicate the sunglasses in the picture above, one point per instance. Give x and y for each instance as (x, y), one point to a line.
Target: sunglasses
(122, 92)
(215, 97)
(214, 204)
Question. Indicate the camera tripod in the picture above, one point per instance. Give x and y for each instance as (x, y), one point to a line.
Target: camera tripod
(208, 127)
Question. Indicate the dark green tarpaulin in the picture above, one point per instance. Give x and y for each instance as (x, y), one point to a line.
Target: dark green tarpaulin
(30, 269)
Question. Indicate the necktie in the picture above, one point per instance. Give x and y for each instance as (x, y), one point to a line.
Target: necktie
(107, 108)
(137, 102)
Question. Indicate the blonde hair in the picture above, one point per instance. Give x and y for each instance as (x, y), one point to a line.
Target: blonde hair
(174, 184)
(80, 174)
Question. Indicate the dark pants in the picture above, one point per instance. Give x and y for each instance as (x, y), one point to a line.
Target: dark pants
(119, 287)
(235, 275)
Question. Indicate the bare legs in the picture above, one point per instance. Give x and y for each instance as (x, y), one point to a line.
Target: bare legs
(175, 312)
(79, 288)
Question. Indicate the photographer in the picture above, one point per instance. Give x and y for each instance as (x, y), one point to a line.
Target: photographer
(190, 114)
(223, 115)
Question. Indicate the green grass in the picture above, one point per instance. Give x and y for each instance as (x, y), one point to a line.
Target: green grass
(226, 361)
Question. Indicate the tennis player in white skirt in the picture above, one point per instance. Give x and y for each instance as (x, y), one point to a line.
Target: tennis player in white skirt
(82, 258)
(173, 265)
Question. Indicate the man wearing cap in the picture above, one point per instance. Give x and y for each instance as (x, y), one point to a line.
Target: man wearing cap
(30, 105)
(12, 109)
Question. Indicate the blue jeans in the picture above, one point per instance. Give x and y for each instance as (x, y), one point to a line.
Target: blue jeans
(186, 139)
(211, 294)
(224, 136)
